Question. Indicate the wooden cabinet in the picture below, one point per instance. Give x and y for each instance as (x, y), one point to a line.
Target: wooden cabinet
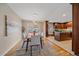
(59, 25)
(63, 31)
(57, 35)
(61, 36)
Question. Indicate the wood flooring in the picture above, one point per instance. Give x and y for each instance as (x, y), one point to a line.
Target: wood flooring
(49, 49)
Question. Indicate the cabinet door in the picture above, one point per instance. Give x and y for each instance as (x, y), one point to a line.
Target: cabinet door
(57, 35)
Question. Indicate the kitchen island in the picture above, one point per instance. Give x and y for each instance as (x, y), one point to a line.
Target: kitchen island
(63, 35)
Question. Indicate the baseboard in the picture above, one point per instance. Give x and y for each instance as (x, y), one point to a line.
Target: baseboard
(55, 43)
(12, 51)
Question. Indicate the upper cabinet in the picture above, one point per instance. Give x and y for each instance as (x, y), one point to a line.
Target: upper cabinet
(63, 25)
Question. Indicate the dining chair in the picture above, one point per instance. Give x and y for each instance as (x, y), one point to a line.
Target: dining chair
(24, 41)
(28, 40)
(35, 41)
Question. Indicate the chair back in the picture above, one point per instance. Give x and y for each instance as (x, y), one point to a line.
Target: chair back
(35, 40)
(24, 37)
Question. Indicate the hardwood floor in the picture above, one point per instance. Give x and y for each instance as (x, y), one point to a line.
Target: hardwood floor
(49, 49)
(53, 49)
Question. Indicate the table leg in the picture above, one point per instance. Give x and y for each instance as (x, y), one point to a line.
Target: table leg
(41, 43)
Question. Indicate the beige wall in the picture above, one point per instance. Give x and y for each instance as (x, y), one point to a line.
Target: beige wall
(30, 24)
(14, 32)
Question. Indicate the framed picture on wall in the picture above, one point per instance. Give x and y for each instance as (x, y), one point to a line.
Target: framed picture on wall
(5, 17)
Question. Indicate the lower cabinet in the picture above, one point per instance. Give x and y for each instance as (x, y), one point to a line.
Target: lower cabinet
(62, 36)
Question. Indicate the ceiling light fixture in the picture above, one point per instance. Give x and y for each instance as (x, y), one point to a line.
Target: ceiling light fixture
(64, 15)
(34, 22)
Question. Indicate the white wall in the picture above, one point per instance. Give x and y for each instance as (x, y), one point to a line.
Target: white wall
(31, 24)
(14, 32)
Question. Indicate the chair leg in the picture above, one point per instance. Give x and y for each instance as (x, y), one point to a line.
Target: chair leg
(23, 44)
(39, 49)
(30, 50)
(27, 46)
(41, 44)
(38, 46)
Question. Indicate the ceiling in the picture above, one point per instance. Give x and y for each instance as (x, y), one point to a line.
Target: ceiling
(55, 12)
